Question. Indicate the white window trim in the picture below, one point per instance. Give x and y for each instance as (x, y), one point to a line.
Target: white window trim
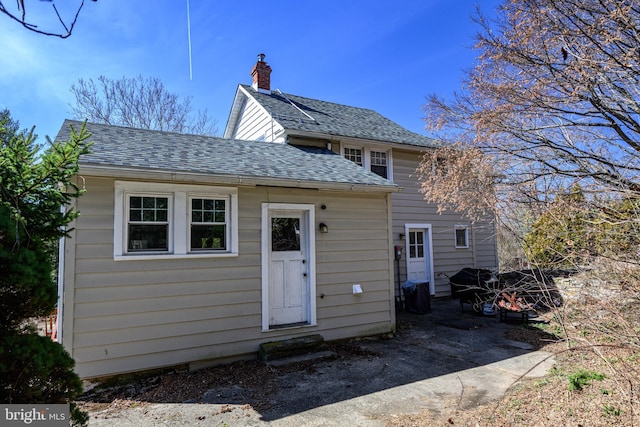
(366, 157)
(466, 236)
(179, 227)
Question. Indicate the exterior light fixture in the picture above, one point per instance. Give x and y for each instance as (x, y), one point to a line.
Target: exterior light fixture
(324, 228)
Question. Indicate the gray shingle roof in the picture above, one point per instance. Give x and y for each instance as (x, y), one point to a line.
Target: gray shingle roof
(122, 147)
(335, 119)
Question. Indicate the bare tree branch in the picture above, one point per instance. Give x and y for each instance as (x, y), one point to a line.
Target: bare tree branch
(22, 19)
(555, 93)
(140, 102)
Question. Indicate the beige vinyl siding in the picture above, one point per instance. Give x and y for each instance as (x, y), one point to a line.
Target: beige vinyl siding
(136, 315)
(486, 245)
(409, 206)
(255, 124)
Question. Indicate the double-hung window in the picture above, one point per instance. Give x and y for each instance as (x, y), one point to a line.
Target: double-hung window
(208, 224)
(377, 161)
(148, 223)
(154, 220)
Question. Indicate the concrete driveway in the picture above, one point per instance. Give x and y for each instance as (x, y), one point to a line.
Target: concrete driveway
(441, 361)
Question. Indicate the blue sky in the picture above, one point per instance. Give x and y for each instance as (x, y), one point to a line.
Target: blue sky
(383, 55)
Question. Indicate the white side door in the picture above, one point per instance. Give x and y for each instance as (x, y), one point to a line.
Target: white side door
(288, 275)
(418, 254)
(288, 265)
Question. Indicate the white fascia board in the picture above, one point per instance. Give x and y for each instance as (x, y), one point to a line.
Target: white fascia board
(234, 113)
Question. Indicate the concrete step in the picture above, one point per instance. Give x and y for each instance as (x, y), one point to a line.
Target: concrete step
(308, 357)
(291, 347)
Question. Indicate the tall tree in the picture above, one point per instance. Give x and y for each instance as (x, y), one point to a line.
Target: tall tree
(555, 96)
(35, 183)
(141, 102)
(554, 101)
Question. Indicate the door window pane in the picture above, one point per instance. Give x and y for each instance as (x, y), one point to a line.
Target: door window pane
(416, 244)
(285, 234)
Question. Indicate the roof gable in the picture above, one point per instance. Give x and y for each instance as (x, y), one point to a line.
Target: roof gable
(117, 147)
(298, 114)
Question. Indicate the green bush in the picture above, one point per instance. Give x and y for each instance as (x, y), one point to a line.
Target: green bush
(573, 230)
(36, 370)
(559, 237)
(34, 185)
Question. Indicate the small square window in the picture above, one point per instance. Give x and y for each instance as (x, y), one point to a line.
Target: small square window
(440, 166)
(353, 154)
(462, 237)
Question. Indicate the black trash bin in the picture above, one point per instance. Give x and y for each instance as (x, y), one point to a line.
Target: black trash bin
(417, 298)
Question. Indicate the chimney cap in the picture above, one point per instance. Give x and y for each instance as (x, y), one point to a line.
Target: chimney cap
(261, 57)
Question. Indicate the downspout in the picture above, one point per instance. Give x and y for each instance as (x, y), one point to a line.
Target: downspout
(473, 245)
(61, 264)
(391, 259)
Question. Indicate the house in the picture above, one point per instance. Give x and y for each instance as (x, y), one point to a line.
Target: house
(191, 249)
(433, 246)
(304, 219)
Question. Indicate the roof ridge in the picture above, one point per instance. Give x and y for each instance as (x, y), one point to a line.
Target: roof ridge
(172, 132)
(317, 100)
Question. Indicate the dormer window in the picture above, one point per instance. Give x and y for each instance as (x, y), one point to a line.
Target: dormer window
(377, 161)
(353, 154)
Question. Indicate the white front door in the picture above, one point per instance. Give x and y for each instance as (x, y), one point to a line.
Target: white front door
(418, 250)
(289, 269)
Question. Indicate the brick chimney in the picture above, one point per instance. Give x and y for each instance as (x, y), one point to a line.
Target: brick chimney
(261, 75)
